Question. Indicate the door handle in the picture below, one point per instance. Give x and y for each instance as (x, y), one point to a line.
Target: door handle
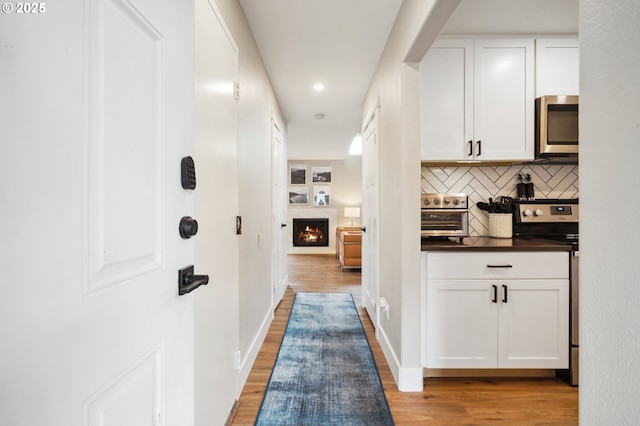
(363, 229)
(494, 298)
(479, 149)
(283, 225)
(188, 281)
(504, 293)
(470, 148)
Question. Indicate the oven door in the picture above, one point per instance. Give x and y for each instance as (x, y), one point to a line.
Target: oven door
(444, 223)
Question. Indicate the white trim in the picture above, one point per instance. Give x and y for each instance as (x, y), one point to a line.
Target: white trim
(407, 379)
(246, 363)
(410, 380)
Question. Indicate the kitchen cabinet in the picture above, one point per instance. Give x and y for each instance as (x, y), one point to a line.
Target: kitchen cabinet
(477, 100)
(557, 66)
(497, 310)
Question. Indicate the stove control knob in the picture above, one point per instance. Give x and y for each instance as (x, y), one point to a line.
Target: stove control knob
(456, 202)
(538, 212)
(436, 201)
(426, 202)
(447, 201)
(527, 212)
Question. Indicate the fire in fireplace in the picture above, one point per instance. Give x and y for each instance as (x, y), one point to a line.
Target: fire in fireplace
(311, 232)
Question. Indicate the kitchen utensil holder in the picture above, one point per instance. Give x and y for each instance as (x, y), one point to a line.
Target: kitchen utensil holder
(500, 225)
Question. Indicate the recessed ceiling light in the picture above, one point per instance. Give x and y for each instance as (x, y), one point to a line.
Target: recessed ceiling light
(318, 87)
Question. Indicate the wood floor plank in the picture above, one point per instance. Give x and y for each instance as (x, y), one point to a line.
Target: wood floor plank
(450, 402)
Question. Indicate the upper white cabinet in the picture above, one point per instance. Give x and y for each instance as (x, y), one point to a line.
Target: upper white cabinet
(557, 66)
(477, 100)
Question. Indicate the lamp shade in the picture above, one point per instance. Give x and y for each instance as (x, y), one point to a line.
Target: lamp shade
(352, 212)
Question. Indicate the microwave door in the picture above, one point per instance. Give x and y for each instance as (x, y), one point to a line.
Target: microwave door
(556, 129)
(562, 125)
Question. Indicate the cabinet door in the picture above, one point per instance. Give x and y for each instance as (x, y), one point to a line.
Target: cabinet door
(557, 66)
(461, 324)
(446, 85)
(503, 99)
(533, 324)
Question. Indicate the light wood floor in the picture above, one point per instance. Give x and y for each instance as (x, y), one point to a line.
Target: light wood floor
(447, 402)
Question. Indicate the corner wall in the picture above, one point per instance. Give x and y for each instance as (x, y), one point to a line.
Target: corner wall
(609, 153)
(394, 86)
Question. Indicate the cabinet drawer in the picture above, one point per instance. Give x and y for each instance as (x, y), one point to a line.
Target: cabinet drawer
(498, 265)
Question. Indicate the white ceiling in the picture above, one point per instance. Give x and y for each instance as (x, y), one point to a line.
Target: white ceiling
(339, 43)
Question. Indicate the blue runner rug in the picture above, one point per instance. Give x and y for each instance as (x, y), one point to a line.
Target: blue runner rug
(324, 373)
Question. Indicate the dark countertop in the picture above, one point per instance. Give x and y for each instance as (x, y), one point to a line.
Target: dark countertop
(493, 244)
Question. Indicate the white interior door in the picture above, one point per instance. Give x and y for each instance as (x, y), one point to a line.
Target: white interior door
(279, 213)
(96, 107)
(370, 213)
(216, 208)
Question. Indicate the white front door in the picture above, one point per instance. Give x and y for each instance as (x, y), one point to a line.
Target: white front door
(279, 213)
(370, 212)
(96, 113)
(216, 208)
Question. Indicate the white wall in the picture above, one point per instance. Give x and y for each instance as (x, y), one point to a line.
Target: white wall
(255, 108)
(609, 155)
(396, 86)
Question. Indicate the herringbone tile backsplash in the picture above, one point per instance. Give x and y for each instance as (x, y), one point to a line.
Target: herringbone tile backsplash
(482, 183)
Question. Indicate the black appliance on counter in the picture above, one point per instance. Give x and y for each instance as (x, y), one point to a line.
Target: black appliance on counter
(556, 220)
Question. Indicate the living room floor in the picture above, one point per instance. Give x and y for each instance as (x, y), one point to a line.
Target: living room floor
(443, 401)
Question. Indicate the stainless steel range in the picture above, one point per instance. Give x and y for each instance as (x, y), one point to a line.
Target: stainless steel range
(556, 220)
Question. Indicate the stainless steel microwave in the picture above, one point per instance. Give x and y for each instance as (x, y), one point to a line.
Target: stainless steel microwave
(556, 126)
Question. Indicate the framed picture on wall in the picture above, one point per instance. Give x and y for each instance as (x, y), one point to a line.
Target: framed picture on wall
(298, 174)
(321, 195)
(299, 195)
(321, 174)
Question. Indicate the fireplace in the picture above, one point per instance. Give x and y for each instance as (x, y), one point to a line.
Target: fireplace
(311, 232)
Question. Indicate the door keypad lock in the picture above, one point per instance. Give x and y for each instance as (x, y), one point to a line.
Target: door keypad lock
(188, 281)
(188, 173)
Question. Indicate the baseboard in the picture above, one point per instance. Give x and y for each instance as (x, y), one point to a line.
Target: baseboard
(488, 372)
(407, 379)
(248, 358)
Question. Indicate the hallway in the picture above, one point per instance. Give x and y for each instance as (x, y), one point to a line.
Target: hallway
(442, 402)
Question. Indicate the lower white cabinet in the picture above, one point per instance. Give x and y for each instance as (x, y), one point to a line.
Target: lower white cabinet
(500, 318)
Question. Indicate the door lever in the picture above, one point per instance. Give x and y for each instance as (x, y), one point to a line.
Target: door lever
(188, 281)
